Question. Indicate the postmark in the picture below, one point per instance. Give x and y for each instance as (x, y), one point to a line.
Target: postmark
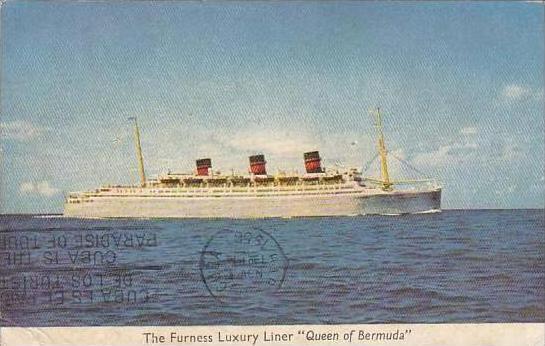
(74, 267)
(248, 262)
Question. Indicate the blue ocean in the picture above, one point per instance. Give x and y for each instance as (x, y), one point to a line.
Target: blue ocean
(449, 267)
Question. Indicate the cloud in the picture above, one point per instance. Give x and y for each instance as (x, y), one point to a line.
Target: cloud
(39, 188)
(20, 130)
(283, 143)
(454, 153)
(539, 94)
(517, 92)
(433, 158)
(471, 149)
(27, 187)
(470, 130)
(510, 151)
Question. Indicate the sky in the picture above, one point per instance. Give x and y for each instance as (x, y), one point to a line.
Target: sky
(460, 85)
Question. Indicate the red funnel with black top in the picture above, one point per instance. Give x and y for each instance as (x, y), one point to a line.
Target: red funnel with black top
(204, 166)
(257, 164)
(313, 162)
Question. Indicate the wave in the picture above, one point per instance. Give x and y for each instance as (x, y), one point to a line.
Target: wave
(48, 216)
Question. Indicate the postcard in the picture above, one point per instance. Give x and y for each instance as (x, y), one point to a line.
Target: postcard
(272, 173)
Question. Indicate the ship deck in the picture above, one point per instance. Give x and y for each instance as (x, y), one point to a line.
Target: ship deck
(218, 191)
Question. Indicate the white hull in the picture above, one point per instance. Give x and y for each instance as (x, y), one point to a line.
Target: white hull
(326, 204)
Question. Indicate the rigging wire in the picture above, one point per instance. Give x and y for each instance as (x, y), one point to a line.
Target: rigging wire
(405, 162)
(409, 165)
(369, 163)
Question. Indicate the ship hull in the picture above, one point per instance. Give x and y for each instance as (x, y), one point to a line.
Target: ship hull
(408, 202)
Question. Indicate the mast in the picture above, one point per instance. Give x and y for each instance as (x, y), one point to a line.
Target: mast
(382, 152)
(139, 156)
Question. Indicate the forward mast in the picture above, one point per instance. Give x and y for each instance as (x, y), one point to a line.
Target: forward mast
(139, 155)
(382, 152)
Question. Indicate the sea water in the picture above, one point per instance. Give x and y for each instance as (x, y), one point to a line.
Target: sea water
(454, 266)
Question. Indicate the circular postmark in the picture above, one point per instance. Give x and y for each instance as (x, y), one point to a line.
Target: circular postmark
(235, 263)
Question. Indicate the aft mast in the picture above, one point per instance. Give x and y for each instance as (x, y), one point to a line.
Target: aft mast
(382, 152)
(139, 156)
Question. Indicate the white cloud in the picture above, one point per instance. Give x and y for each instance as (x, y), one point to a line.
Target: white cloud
(517, 92)
(433, 158)
(286, 143)
(470, 130)
(539, 95)
(510, 151)
(454, 153)
(20, 130)
(27, 187)
(39, 188)
(471, 149)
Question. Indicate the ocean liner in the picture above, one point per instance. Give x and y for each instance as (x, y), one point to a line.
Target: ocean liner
(206, 193)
